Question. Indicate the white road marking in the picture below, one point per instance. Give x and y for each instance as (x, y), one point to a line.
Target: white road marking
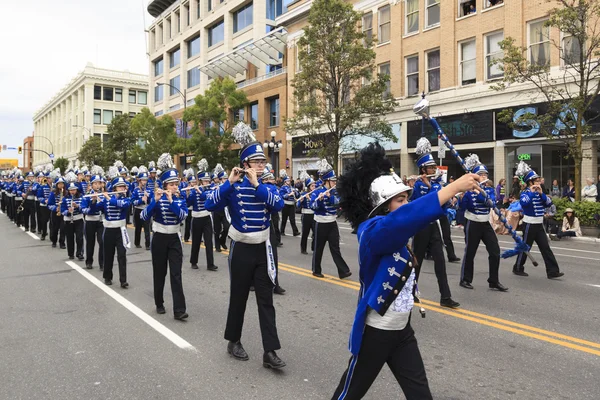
(589, 284)
(33, 236)
(160, 328)
(462, 238)
(22, 228)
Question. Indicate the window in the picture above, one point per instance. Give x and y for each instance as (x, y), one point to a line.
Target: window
(169, 27)
(97, 93)
(175, 107)
(274, 8)
(193, 77)
(493, 52)
(97, 116)
(107, 116)
(177, 22)
(491, 3)
(539, 43)
(209, 4)
(384, 69)
(411, 12)
(174, 58)
(158, 113)
(143, 98)
(187, 14)
(198, 9)
(131, 96)
(158, 93)
(118, 113)
(384, 24)
(254, 115)
(242, 18)
(216, 34)
(433, 71)
(432, 13)
(193, 46)
(412, 75)
(571, 50)
(107, 94)
(118, 95)
(132, 115)
(367, 28)
(467, 53)
(466, 7)
(158, 67)
(238, 115)
(274, 111)
(174, 82)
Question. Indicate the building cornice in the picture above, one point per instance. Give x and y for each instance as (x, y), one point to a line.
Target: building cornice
(294, 14)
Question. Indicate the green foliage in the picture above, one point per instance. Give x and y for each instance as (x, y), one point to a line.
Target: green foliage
(584, 210)
(328, 91)
(92, 153)
(61, 163)
(121, 140)
(154, 137)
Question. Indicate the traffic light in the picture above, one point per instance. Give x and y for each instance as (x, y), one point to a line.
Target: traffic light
(20, 149)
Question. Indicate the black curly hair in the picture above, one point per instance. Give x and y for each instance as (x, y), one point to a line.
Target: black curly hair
(354, 184)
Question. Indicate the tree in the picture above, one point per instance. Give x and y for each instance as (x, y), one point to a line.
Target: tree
(211, 132)
(156, 135)
(121, 139)
(61, 163)
(567, 93)
(335, 56)
(92, 153)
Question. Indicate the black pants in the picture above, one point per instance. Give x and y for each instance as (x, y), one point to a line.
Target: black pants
(3, 202)
(289, 212)
(275, 255)
(202, 228)
(93, 232)
(562, 234)
(328, 232)
(399, 349)
(430, 237)
(275, 224)
(535, 233)
(167, 251)
(74, 234)
(19, 214)
(113, 242)
(43, 217)
(220, 228)
(139, 224)
(247, 267)
(188, 227)
(474, 233)
(445, 225)
(12, 208)
(29, 214)
(57, 229)
(38, 216)
(308, 224)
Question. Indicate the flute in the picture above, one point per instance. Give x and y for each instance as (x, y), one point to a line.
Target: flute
(101, 193)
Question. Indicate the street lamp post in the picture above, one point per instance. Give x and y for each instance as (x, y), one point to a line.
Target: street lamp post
(89, 131)
(51, 155)
(272, 145)
(184, 122)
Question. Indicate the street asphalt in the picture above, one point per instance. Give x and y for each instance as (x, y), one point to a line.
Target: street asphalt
(64, 335)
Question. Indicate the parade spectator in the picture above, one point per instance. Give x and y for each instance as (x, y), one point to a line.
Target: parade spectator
(472, 9)
(550, 223)
(570, 226)
(589, 192)
(515, 189)
(598, 189)
(543, 186)
(501, 191)
(569, 191)
(555, 189)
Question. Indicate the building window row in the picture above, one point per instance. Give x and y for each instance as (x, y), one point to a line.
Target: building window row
(104, 116)
(106, 93)
(242, 18)
(216, 33)
(193, 77)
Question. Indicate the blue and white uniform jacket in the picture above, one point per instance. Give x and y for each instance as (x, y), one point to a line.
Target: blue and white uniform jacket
(114, 210)
(43, 193)
(304, 205)
(534, 205)
(385, 264)
(196, 198)
(83, 185)
(325, 209)
(475, 206)
(150, 185)
(67, 202)
(137, 197)
(88, 208)
(289, 194)
(167, 216)
(250, 209)
(29, 190)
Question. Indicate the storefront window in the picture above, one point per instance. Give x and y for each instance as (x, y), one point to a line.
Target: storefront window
(455, 170)
(531, 154)
(557, 165)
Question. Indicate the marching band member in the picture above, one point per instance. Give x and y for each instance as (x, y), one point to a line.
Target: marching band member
(29, 192)
(151, 176)
(11, 194)
(140, 199)
(289, 195)
(3, 191)
(81, 182)
(376, 202)
(57, 225)
(40, 179)
(268, 179)
(307, 213)
(43, 194)
(220, 217)
(201, 221)
(70, 208)
(94, 227)
(251, 260)
(478, 228)
(534, 202)
(431, 235)
(168, 211)
(324, 201)
(187, 229)
(19, 191)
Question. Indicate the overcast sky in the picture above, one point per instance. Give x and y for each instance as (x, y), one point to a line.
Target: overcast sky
(46, 43)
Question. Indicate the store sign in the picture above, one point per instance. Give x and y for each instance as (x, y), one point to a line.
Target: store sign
(473, 127)
(303, 145)
(524, 157)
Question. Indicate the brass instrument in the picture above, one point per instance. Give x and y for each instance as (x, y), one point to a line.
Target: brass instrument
(60, 198)
(21, 207)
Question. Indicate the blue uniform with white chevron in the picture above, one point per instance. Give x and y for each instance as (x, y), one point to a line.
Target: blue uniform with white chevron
(201, 227)
(73, 224)
(139, 204)
(93, 231)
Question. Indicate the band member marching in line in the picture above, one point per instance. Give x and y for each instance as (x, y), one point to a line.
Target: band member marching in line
(268, 179)
(29, 192)
(19, 193)
(376, 202)
(431, 235)
(70, 208)
(94, 227)
(478, 228)
(289, 195)
(307, 213)
(250, 256)
(57, 224)
(39, 196)
(10, 195)
(534, 202)
(202, 228)
(140, 199)
(220, 218)
(324, 201)
(168, 210)
(187, 173)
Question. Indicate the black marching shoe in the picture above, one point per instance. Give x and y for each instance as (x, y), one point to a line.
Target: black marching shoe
(180, 316)
(107, 282)
(520, 272)
(555, 275)
(237, 351)
(280, 244)
(467, 285)
(212, 268)
(160, 309)
(303, 251)
(454, 259)
(318, 275)
(279, 290)
(101, 267)
(500, 287)
(449, 303)
(194, 266)
(124, 285)
(137, 246)
(43, 237)
(88, 266)
(63, 247)
(346, 275)
(71, 258)
(297, 234)
(147, 247)
(224, 246)
(54, 245)
(80, 257)
(271, 360)
(218, 249)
